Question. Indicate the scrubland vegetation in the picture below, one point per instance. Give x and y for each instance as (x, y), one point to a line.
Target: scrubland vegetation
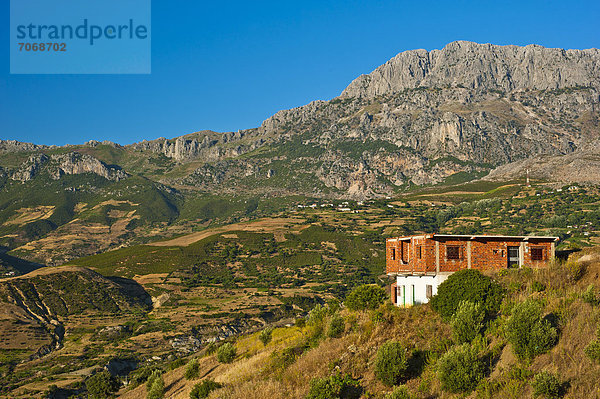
(517, 341)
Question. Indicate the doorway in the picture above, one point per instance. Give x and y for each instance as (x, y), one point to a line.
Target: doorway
(513, 257)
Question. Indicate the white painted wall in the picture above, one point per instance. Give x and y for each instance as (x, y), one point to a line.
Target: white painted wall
(412, 290)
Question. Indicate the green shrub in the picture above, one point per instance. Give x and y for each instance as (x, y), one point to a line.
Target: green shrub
(192, 370)
(391, 363)
(467, 285)
(211, 348)
(593, 350)
(589, 296)
(266, 335)
(365, 297)
(546, 385)
(399, 392)
(337, 326)
(101, 385)
(317, 315)
(467, 322)
(460, 369)
(537, 286)
(529, 334)
(156, 374)
(202, 389)
(575, 270)
(334, 387)
(226, 353)
(155, 385)
(140, 376)
(300, 322)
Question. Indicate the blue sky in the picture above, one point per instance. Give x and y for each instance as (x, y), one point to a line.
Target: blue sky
(226, 66)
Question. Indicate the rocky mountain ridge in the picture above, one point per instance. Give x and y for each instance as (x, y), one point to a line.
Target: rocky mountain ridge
(71, 163)
(482, 67)
(421, 118)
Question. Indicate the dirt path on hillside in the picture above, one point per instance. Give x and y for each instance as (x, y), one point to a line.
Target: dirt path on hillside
(259, 226)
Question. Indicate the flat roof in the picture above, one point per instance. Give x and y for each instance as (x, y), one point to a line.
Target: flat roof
(477, 237)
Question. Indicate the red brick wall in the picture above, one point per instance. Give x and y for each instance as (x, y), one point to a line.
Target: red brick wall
(489, 254)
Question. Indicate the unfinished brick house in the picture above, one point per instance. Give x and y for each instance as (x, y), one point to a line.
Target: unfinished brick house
(421, 263)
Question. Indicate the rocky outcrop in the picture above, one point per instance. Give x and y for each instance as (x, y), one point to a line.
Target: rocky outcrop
(66, 164)
(203, 335)
(74, 163)
(207, 145)
(482, 67)
(17, 146)
(581, 166)
(30, 167)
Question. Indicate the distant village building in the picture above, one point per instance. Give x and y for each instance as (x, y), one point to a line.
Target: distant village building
(421, 263)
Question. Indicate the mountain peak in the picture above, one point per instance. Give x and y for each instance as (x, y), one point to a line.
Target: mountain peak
(482, 67)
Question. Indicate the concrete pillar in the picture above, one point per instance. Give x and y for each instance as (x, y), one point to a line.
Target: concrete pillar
(468, 254)
(522, 255)
(437, 257)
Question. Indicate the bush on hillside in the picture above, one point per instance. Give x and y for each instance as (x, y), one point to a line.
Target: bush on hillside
(300, 322)
(155, 385)
(399, 392)
(140, 376)
(336, 386)
(202, 389)
(575, 270)
(337, 326)
(467, 285)
(101, 385)
(266, 335)
(593, 350)
(467, 322)
(192, 370)
(529, 334)
(546, 385)
(211, 348)
(589, 296)
(460, 369)
(391, 363)
(536, 286)
(156, 374)
(226, 353)
(365, 297)
(317, 315)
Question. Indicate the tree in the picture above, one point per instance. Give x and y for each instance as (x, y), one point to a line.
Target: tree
(101, 385)
(192, 369)
(529, 334)
(460, 369)
(266, 335)
(547, 385)
(226, 353)
(336, 386)
(365, 297)
(155, 385)
(391, 363)
(337, 326)
(467, 285)
(467, 322)
(202, 389)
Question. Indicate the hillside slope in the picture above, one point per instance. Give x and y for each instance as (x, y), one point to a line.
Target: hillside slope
(296, 355)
